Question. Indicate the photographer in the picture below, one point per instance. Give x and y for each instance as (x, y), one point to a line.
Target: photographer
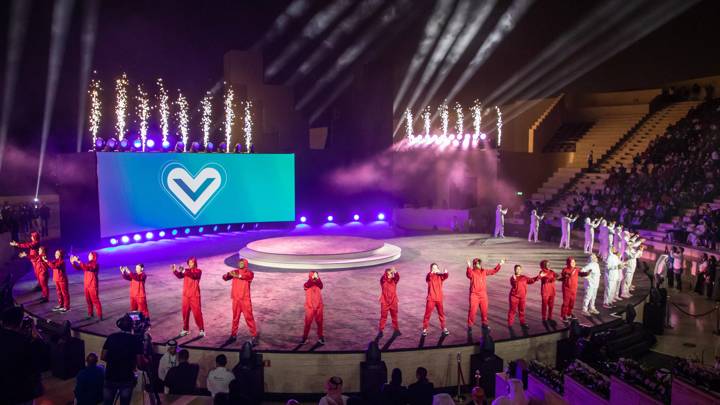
(123, 353)
(20, 357)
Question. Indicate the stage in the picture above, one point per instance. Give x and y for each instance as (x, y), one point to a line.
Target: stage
(350, 295)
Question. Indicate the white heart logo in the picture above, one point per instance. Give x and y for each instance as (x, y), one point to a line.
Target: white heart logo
(192, 192)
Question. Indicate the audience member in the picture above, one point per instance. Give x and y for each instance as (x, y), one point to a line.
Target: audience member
(514, 396)
(122, 354)
(333, 392)
(89, 382)
(421, 392)
(477, 397)
(394, 393)
(20, 358)
(168, 360)
(442, 399)
(218, 380)
(182, 379)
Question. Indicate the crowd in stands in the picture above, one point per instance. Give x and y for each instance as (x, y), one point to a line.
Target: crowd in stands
(676, 94)
(678, 170)
(24, 217)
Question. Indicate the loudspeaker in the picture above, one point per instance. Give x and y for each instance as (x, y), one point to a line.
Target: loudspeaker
(488, 365)
(654, 318)
(565, 352)
(67, 358)
(372, 377)
(253, 377)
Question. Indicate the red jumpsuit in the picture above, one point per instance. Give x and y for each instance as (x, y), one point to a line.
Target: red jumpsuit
(434, 298)
(547, 292)
(389, 300)
(478, 293)
(313, 305)
(518, 294)
(191, 297)
(90, 284)
(41, 272)
(61, 282)
(138, 300)
(569, 287)
(240, 294)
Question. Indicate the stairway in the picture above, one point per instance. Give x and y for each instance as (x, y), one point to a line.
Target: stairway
(605, 133)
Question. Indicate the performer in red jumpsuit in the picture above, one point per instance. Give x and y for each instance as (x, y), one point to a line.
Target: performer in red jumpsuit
(389, 300)
(191, 295)
(240, 294)
(30, 251)
(547, 290)
(435, 279)
(313, 306)
(569, 277)
(138, 299)
(478, 291)
(61, 281)
(37, 258)
(90, 282)
(518, 294)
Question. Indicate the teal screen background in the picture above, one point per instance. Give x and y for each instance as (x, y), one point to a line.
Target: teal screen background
(132, 198)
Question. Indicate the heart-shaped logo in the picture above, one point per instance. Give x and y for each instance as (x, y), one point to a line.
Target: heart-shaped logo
(193, 192)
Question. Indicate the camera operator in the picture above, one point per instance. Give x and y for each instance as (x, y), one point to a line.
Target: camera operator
(123, 352)
(21, 358)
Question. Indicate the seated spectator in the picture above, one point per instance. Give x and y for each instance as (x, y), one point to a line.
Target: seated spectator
(394, 392)
(477, 396)
(514, 396)
(89, 382)
(442, 399)
(333, 393)
(421, 392)
(168, 360)
(182, 379)
(20, 358)
(218, 380)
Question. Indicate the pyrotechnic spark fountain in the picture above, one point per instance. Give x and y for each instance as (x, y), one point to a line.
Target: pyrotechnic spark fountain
(459, 118)
(121, 104)
(499, 126)
(248, 124)
(183, 119)
(444, 118)
(143, 113)
(95, 109)
(409, 125)
(476, 112)
(88, 45)
(229, 117)
(163, 109)
(206, 120)
(426, 121)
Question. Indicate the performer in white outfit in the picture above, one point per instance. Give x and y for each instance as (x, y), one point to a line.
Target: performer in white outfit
(603, 240)
(612, 274)
(535, 220)
(632, 254)
(566, 227)
(617, 238)
(592, 280)
(590, 226)
(500, 221)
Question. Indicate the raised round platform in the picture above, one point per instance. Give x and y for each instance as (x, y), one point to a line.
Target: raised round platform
(319, 252)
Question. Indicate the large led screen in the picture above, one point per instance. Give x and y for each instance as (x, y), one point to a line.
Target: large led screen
(141, 191)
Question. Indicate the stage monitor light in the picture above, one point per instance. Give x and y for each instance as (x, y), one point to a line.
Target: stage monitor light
(187, 231)
(238, 148)
(150, 144)
(161, 234)
(166, 145)
(137, 144)
(124, 144)
(223, 147)
(215, 228)
(483, 136)
(99, 143)
(195, 146)
(125, 239)
(179, 147)
(137, 237)
(201, 229)
(210, 147)
(113, 241)
(356, 217)
(303, 219)
(381, 217)
(228, 227)
(149, 235)
(112, 143)
(174, 232)
(330, 218)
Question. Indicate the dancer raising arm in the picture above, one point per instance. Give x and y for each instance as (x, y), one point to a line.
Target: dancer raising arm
(61, 281)
(138, 299)
(500, 221)
(592, 280)
(518, 295)
(535, 220)
(547, 290)
(90, 282)
(389, 300)
(241, 303)
(478, 291)
(191, 300)
(435, 279)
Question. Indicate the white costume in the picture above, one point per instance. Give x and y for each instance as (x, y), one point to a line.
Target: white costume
(218, 380)
(590, 233)
(167, 362)
(515, 395)
(612, 275)
(500, 221)
(592, 281)
(603, 233)
(534, 226)
(617, 238)
(566, 228)
(632, 254)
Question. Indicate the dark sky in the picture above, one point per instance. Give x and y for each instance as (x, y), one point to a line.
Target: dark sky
(184, 42)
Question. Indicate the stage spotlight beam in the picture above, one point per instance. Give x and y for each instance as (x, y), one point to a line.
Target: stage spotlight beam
(19, 15)
(293, 11)
(89, 32)
(62, 13)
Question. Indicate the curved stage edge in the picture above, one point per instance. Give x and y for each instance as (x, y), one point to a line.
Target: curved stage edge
(292, 369)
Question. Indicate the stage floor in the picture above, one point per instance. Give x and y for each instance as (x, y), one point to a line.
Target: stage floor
(350, 296)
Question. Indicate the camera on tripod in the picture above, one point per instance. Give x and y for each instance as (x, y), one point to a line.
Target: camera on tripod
(139, 323)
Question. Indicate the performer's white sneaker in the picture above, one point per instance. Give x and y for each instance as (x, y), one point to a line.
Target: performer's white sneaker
(424, 332)
(184, 333)
(445, 332)
(202, 333)
(586, 313)
(594, 311)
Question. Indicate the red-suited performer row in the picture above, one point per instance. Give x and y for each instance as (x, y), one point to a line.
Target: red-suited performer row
(241, 278)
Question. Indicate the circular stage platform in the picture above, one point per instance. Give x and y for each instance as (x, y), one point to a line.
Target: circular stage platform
(319, 252)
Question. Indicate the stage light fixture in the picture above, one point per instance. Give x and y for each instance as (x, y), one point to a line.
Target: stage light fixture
(179, 147)
(483, 136)
(187, 231)
(174, 232)
(166, 145)
(137, 237)
(215, 228)
(137, 144)
(303, 219)
(113, 241)
(223, 147)
(381, 217)
(330, 218)
(99, 144)
(125, 239)
(149, 235)
(228, 227)
(356, 217)
(210, 147)
(201, 229)
(161, 234)
(238, 148)
(195, 146)
(150, 144)
(124, 144)
(112, 143)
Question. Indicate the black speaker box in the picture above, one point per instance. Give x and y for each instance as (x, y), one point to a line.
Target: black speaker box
(67, 358)
(654, 318)
(253, 377)
(488, 364)
(372, 377)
